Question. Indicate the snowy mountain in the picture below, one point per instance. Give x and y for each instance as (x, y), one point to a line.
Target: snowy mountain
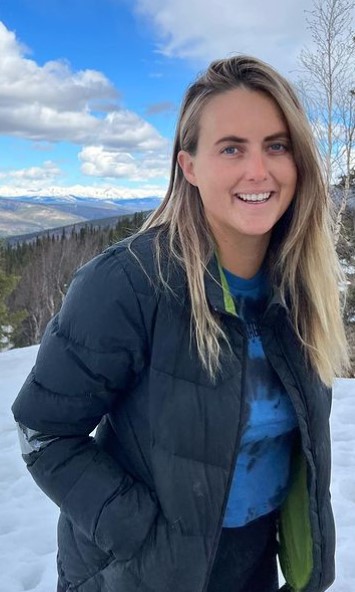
(28, 214)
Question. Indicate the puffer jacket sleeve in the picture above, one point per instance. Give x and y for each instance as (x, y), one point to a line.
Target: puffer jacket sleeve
(92, 353)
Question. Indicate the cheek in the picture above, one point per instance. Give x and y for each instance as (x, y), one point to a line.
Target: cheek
(288, 177)
(292, 174)
(206, 182)
(206, 194)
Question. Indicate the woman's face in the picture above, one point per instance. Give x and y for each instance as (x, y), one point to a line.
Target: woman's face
(243, 167)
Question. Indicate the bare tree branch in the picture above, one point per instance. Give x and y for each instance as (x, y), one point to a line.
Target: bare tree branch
(327, 82)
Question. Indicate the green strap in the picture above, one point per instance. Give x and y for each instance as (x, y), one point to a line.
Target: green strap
(229, 304)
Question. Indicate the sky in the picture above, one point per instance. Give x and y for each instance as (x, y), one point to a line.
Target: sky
(90, 89)
(28, 518)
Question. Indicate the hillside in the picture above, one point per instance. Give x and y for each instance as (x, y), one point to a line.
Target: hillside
(35, 214)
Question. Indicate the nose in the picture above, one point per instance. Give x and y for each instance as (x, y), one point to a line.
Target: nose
(256, 166)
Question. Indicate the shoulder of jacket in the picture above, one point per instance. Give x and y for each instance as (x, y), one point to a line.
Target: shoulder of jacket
(141, 243)
(136, 250)
(129, 261)
(137, 255)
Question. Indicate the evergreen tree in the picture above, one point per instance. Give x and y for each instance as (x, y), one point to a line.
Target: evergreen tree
(8, 321)
(45, 268)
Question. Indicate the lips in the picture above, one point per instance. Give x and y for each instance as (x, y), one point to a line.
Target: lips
(254, 197)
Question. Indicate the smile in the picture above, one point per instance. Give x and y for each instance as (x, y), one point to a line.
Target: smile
(254, 197)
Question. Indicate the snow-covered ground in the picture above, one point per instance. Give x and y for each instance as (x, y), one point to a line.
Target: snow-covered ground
(28, 519)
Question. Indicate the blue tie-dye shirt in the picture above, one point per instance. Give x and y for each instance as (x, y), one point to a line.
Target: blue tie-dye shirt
(261, 475)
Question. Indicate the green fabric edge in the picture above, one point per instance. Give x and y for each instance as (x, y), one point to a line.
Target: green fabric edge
(229, 304)
(296, 547)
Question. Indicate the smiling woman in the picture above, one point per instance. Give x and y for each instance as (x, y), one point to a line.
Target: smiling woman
(245, 173)
(203, 348)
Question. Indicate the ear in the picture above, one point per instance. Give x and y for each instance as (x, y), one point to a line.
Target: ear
(186, 162)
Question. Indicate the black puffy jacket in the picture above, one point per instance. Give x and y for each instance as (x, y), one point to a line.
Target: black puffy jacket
(142, 502)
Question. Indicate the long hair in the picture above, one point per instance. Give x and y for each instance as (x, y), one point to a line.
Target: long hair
(302, 259)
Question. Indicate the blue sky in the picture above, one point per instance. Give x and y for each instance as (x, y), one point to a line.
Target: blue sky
(90, 89)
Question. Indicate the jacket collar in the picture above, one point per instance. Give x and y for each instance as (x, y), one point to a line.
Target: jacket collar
(220, 298)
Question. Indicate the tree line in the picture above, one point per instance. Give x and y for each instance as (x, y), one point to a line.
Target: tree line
(34, 276)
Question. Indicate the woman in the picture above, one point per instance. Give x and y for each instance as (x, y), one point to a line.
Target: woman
(204, 349)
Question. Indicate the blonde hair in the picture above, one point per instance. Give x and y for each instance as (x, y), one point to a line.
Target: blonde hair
(302, 257)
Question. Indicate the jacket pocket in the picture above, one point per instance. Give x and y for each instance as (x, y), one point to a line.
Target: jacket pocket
(169, 560)
(79, 559)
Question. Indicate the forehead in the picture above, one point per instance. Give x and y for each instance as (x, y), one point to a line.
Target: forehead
(241, 112)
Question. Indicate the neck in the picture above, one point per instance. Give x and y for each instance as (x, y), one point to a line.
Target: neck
(243, 258)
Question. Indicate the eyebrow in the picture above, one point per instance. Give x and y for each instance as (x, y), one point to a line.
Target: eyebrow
(238, 140)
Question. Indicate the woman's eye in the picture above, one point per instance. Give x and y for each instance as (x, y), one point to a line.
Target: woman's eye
(278, 147)
(230, 150)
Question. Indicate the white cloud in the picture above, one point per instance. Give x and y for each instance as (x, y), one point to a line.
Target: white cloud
(23, 178)
(101, 162)
(48, 171)
(120, 129)
(204, 30)
(96, 161)
(53, 103)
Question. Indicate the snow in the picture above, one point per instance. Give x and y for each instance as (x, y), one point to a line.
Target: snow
(99, 191)
(28, 519)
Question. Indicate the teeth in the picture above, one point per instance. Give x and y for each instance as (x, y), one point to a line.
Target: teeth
(254, 196)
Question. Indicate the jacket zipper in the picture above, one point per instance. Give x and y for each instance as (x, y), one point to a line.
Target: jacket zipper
(231, 472)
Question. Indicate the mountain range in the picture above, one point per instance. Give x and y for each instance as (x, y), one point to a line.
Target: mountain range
(30, 214)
